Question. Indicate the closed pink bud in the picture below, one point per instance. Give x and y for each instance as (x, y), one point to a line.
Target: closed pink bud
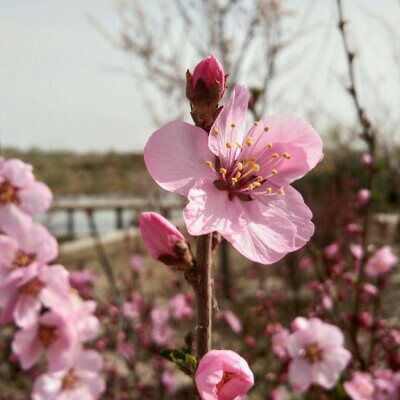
(381, 262)
(223, 375)
(210, 71)
(363, 197)
(164, 241)
(367, 160)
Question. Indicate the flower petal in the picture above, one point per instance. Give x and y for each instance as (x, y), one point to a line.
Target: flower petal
(291, 206)
(13, 221)
(210, 210)
(36, 198)
(268, 235)
(300, 374)
(287, 134)
(176, 156)
(234, 112)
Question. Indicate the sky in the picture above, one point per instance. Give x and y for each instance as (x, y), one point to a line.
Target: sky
(63, 86)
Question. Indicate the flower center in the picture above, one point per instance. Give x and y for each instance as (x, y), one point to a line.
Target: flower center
(8, 193)
(226, 377)
(364, 390)
(47, 334)
(22, 259)
(32, 288)
(69, 381)
(313, 353)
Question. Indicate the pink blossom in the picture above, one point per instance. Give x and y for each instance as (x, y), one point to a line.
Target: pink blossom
(136, 263)
(169, 381)
(223, 375)
(162, 335)
(20, 196)
(51, 334)
(363, 197)
(180, 308)
(82, 281)
(237, 184)
(159, 316)
(133, 308)
(367, 160)
(280, 393)
(381, 262)
(331, 251)
(80, 381)
(23, 293)
(318, 355)
(163, 240)
(360, 387)
(33, 244)
(279, 340)
(232, 320)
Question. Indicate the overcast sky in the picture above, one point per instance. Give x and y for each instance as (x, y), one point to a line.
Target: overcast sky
(64, 87)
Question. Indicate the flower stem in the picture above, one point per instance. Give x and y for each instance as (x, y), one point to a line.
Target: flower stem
(204, 294)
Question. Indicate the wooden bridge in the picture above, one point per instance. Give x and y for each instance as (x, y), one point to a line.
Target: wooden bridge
(119, 205)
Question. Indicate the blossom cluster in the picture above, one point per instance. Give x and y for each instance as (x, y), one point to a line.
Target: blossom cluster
(36, 296)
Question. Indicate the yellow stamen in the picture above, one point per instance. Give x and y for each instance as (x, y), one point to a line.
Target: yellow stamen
(256, 123)
(234, 180)
(217, 131)
(274, 172)
(240, 166)
(222, 171)
(269, 190)
(239, 145)
(245, 159)
(251, 186)
(275, 155)
(233, 125)
(269, 145)
(256, 184)
(238, 175)
(228, 145)
(256, 168)
(249, 141)
(266, 129)
(286, 155)
(279, 191)
(260, 178)
(209, 164)
(253, 159)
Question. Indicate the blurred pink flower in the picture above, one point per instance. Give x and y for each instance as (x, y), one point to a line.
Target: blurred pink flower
(51, 334)
(34, 244)
(180, 308)
(318, 355)
(163, 240)
(83, 281)
(331, 251)
(232, 320)
(136, 262)
(223, 375)
(238, 184)
(360, 387)
(133, 308)
(381, 262)
(20, 196)
(279, 340)
(363, 197)
(367, 160)
(169, 381)
(81, 381)
(23, 293)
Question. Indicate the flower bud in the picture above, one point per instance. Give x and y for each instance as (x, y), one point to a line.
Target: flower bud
(204, 89)
(363, 197)
(165, 242)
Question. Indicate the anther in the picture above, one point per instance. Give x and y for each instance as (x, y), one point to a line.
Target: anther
(256, 184)
(217, 131)
(279, 191)
(269, 190)
(269, 145)
(209, 164)
(275, 155)
(240, 166)
(238, 175)
(222, 171)
(266, 129)
(251, 186)
(256, 168)
(259, 178)
(228, 145)
(274, 172)
(233, 125)
(256, 123)
(286, 155)
(239, 145)
(234, 180)
(253, 159)
(249, 141)
(245, 159)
